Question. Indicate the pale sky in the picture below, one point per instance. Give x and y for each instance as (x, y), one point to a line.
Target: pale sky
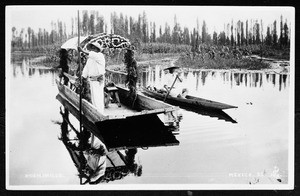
(215, 17)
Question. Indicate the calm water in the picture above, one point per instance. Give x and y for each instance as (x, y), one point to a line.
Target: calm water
(211, 151)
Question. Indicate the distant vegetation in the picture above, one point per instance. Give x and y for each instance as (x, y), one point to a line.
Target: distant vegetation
(196, 47)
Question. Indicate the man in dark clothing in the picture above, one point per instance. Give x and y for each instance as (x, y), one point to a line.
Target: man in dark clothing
(132, 73)
(63, 64)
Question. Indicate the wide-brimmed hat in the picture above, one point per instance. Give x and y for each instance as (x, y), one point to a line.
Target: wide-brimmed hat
(96, 44)
(172, 68)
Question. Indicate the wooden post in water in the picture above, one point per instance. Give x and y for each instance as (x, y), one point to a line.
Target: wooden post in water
(80, 87)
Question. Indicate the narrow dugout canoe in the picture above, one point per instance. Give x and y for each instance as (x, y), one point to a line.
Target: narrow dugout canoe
(190, 102)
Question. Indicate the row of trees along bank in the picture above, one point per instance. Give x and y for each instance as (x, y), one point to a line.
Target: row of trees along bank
(140, 30)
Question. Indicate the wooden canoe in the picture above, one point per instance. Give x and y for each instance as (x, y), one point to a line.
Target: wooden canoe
(189, 102)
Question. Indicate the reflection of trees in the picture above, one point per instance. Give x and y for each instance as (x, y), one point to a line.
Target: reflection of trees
(144, 78)
(260, 80)
(31, 71)
(203, 76)
(252, 79)
(284, 77)
(236, 77)
(24, 66)
(185, 74)
(241, 78)
(246, 79)
(80, 148)
(273, 76)
(213, 74)
(197, 80)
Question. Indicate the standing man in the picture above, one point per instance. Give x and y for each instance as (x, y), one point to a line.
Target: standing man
(132, 74)
(63, 64)
(94, 72)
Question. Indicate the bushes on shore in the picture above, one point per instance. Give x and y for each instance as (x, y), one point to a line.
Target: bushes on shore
(156, 51)
(151, 48)
(221, 63)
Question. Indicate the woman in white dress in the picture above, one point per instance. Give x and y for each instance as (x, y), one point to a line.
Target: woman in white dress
(94, 72)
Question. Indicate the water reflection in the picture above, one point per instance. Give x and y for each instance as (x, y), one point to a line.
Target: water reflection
(258, 142)
(200, 77)
(93, 162)
(25, 68)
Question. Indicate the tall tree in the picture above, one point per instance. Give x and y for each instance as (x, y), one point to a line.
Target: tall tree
(85, 22)
(204, 32)
(131, 27)
(154, 32)
(29, 36)
(247, 41)
(99, 25)
(126, 26)
(176, 32)
(232, 38)
(261, 31)
(92, 23)
(160, 34)
(215, 38)
(286, 34)
(139, 27)
(167, 34)
(72, 26)
(238, 36)
(275, 36)
(257, 33)
(145, 28)
(186, 36)
(268, 39)
(222, 38)
(281, 32)
(242, 34)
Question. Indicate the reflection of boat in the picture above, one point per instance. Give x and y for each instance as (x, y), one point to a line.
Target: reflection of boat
(126, 126)
(189, 102)
(117, 164)
(220, 114)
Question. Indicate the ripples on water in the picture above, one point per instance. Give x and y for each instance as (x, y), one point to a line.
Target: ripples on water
(211, 151)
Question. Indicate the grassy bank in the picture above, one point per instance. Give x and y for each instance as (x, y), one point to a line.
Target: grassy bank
(269, 51)
(150, 52)
(221, 63)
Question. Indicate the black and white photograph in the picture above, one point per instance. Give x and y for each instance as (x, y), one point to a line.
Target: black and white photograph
(141, 97)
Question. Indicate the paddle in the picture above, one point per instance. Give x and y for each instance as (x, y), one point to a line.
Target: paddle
(80, 86)
(177, 77)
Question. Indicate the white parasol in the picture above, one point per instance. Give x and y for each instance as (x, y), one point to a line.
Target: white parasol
(73, 43)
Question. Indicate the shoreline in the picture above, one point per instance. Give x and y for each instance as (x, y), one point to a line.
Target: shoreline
(276, 66)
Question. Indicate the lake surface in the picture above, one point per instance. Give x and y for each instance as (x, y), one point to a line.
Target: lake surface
(255, 150)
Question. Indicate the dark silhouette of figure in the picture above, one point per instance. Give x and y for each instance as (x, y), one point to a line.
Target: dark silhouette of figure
(63, 64)
(132, 73)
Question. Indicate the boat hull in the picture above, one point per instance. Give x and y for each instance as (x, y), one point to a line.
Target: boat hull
(140, 128)
(189, 102)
